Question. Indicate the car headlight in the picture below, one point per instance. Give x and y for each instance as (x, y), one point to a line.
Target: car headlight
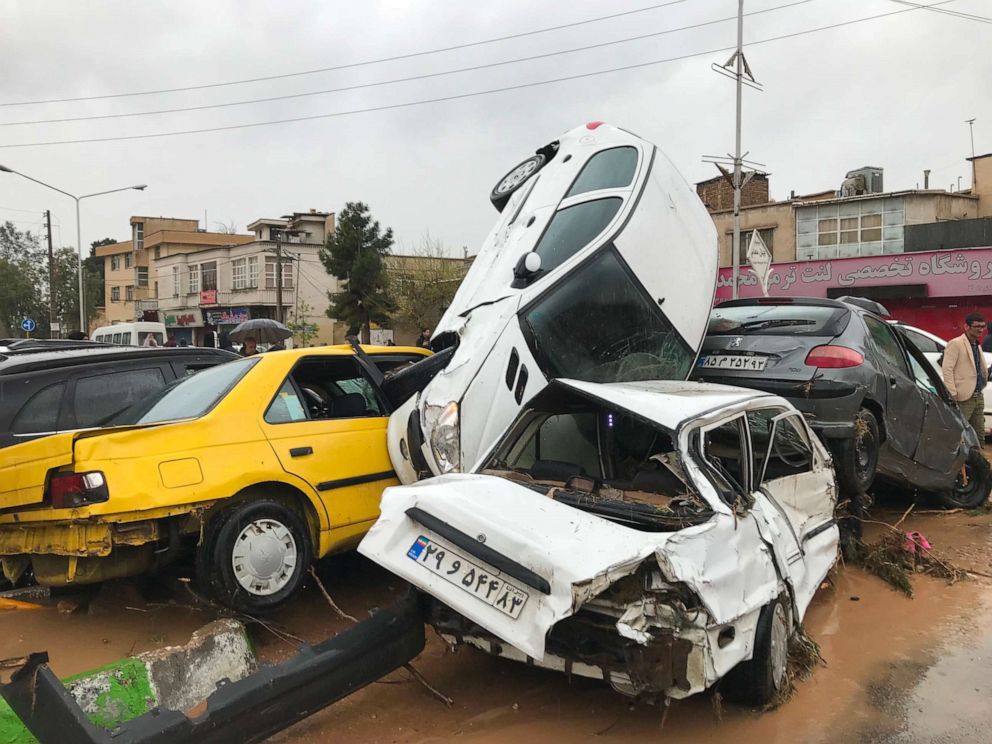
(445, 435)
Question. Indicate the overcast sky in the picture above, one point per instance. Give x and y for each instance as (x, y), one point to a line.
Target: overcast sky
(892, 92)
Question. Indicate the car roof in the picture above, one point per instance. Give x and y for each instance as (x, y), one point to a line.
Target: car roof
(346, 349)
(860, 304)
(667, 402)
(12, 362)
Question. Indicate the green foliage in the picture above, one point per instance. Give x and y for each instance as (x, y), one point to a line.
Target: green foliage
(425, 283)
(303, 331)
(355, 254)
(23, 280)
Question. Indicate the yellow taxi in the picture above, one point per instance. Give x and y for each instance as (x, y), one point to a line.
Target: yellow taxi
(256, 466)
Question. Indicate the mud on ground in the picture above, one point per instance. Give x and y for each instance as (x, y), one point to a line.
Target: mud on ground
(898, 669)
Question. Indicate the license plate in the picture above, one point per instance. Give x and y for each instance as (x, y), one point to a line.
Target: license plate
(480, 582)
(733, 361)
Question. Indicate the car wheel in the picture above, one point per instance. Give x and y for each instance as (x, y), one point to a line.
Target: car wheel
(973, 491)
(254, 555)
(760, 679)
(856, 459)
(513, 180)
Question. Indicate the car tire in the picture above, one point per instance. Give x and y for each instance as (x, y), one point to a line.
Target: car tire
(513, 180)
(976, 492)
(856, 459)
(757, 681)
(254, 555)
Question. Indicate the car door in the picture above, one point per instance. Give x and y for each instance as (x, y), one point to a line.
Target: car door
(943, 424)
(904, 406)
(327, 425)
(794, 492)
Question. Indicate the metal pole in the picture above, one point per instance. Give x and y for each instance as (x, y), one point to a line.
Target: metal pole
(739, 69)
(82, 298)
(51, 274)
(279, 281)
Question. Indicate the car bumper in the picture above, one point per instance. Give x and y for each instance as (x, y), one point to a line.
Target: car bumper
(250, 710)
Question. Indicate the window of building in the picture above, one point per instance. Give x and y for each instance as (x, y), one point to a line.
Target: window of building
(239, 274)
(141, 276)
(115, 263)
(139, 236)
(175, 281)
(252, 272)
(127, 260)
(860, 227)
(270, 273)
(129, 289)
(158, 252)
(767, 235)
(115, 294)
(193, 284)
(208, 275)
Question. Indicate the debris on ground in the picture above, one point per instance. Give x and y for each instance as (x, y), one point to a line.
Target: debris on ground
(804, 658)
(898, 555)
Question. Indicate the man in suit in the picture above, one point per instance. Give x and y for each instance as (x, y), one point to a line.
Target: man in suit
(966, 374)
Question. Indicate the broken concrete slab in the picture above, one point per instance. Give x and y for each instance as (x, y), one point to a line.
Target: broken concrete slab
(174, 677)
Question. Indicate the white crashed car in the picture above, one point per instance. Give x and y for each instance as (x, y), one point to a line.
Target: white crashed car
(602, 267)
(659, 535)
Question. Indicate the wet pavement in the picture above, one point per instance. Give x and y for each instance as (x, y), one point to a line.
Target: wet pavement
(898, 670)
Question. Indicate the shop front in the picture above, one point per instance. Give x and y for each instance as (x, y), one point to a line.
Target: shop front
(933, 290)
(181, 325)
(225, 319)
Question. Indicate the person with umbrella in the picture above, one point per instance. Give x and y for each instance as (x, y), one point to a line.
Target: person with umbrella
(250, 347)
(259, 331)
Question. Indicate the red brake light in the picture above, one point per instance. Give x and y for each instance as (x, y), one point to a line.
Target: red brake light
(594, 125)
(834, 357)
(70, 490)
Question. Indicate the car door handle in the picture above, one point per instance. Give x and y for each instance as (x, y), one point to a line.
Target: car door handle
(892, 381)
(300, 451)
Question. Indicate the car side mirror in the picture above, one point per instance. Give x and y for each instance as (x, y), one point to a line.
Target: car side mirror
(528, 266)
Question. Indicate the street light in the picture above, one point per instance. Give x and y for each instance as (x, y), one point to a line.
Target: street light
(79, 239)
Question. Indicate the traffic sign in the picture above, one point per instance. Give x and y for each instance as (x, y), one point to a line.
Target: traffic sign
(28, 325)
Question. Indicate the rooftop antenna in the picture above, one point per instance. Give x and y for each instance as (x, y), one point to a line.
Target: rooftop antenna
(742, 75)
(971, 131)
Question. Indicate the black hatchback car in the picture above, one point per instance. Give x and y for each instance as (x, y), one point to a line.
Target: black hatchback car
(52, 387)
(868, 392)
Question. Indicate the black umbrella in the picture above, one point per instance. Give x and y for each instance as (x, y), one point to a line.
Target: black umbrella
(263, 330)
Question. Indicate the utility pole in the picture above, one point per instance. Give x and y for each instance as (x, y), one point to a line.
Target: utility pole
(51, 274)
(742, 76)
(279, 280)
(971, 130)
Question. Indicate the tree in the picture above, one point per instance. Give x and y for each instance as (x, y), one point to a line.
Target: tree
(65, 289)
(93, 266)
(227, 228)
(355, 253)
(424, 283)
(304, 331)
(23, 281)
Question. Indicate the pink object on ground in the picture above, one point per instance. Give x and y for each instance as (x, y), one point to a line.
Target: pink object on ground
(916, 541)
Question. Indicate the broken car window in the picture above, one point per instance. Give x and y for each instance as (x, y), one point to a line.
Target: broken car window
(759, 423)
(572, 229)
(886, 343)
(599, 325)
(790, 452)
(609, 169)
(723, 449)
(921, 377)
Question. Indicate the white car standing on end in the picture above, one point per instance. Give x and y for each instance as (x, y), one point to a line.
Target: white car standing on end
(602, 267)
(660, 536)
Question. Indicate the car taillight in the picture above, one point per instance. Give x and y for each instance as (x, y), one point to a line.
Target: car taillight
(834, 357)
(594, 125)
(69, 490)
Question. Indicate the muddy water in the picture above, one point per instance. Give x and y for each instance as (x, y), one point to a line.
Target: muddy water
(898, 670)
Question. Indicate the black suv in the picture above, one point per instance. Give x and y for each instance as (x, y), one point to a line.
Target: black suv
(869, 393)
(59, 386)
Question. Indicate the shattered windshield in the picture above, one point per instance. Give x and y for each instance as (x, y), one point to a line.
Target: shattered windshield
(778, 320)
(599, 325)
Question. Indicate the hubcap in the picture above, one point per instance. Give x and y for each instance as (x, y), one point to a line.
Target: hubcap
(780, 646)
(264, 557)
(516, 177)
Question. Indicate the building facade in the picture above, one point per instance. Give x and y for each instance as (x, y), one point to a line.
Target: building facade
(925, 254)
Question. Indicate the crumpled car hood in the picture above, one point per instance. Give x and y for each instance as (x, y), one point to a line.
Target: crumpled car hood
(579, 554)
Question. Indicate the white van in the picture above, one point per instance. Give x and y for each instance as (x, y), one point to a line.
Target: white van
(130, 334)
(602, 267)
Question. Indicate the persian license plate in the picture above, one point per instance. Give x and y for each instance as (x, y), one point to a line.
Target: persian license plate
(481, 583)
(733, 361)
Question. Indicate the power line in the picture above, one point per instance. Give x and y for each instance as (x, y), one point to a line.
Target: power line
(350, 65)
(473, 94)
(411, 78)
(947, 11)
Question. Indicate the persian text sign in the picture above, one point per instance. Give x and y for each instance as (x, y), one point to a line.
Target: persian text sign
(234, 316)
(945, 273)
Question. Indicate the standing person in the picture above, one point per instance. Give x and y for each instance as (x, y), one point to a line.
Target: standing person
(225, 341)
(250, 347)
(966, 374)
(987, 341)
(171, 341)
(150, 340)
(424, 339)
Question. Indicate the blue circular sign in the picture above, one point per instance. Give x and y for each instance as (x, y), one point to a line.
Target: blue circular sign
(28, 325)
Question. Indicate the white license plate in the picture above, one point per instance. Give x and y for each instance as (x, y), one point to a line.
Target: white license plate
(733, 361)
(469, 576)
